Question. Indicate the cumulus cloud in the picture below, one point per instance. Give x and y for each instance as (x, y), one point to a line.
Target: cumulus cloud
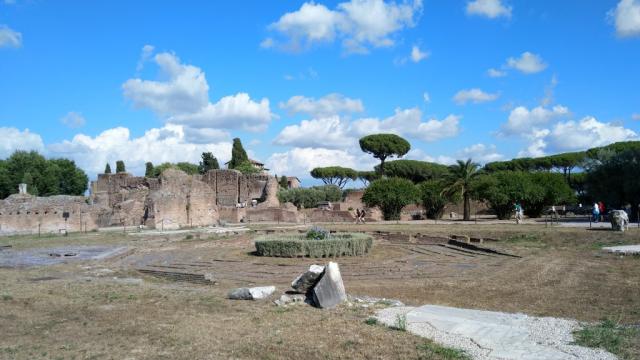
(488, 8)
(301, 161)
(330, 132)
(145, 55)
(494, 73)
(522, 120)
(426, 97)
(9, 37)
(587, 133)
(360, 24)
(182, 98)
(626, 16)
(527, 63)
(475, 96)
(328, 105)
(13, 139)
(418, 55)
(73, 120)
(537, 143)
(408, 122)
(166, 144)
(481, 153)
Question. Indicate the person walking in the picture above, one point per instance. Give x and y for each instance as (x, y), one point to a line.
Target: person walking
(602, 210)
(596, 212)
(357, 216)
(518, 209)
(362, 214)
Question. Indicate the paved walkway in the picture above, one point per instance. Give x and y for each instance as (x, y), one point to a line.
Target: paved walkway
(493, 335)
(624, 249)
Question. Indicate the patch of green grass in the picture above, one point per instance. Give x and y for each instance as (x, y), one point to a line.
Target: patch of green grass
(7, 297)
(430, 350)
(608, 335)
(188, 237)
(371, 321)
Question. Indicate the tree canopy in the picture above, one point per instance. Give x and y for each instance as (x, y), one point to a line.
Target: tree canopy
(334, 175)
(188, 168)
(120, 166)
(44, 177)
(367, 177)
(310, 197)
(148, 169)
(391, 195)
(433, 198)
(208, 162)
(383, 146)
(238, 155)
(107, 169)
(458, 183)
(414, 170)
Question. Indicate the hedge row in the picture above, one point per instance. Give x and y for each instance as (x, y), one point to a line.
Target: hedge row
(297, 246)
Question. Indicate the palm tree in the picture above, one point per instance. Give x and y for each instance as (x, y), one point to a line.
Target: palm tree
(459, 183)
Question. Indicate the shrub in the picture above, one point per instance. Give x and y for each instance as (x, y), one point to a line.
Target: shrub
(432, 198)
(297, 246)
(310, 197)
(318, 233)
(391, 195)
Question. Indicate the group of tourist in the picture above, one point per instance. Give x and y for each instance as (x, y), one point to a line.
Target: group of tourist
(360, 216)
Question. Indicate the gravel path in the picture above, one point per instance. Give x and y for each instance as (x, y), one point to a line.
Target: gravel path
(494, 335)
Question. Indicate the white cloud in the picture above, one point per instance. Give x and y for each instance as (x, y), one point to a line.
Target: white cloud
(473, 95)
(527, 63)
(231, 112)
(481, 153)
(587, 133)
(73, 120)
(145, 55)
(408, 122)
(635, 116)
(488, 8)
(267, 43)
(522, 120)
(9, 37)
(359, 23)
(158, 145)
(300, 161)
(537, 143)
(494, 73)
(417, 55)
(627, 18)
(330, 132)
(328, 105)
(426, 97)
(183, 99)
(13, 139)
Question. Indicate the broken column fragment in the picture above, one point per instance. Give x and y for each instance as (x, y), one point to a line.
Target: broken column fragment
(307, 280)
(329, 291)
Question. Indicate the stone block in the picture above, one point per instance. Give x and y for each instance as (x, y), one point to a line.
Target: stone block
(329, 291)
(254, 293)
(307, 280)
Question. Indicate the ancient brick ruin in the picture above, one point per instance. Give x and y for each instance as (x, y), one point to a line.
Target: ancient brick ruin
(172, 201)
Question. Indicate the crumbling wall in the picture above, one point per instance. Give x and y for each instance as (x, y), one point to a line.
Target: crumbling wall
(27, 214)
(181, 200)
(227, 187)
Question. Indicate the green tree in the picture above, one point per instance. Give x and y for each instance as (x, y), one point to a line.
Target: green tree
(550, 189)
(148, 169)
(367, 177)
(334, 175)
(284, 182)
(189, 168)
(391, 195)
(68, 178)
(383, 146)
(209, 162)
(107, 169)
(120, 167)
(458, 183)
(414, 170)
(501, 190)
(238, 155)
(432, 196)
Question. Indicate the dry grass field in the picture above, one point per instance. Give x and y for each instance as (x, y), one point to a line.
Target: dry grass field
(107, 309)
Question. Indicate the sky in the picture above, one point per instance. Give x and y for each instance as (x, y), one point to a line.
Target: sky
(301, 82)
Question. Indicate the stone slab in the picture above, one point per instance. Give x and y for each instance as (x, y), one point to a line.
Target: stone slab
(624, 249)
(494, 335)
(329, 291)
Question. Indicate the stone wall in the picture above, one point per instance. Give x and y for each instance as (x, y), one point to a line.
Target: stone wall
(27, 214)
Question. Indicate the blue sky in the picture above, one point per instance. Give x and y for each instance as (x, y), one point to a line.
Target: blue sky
(300, 82)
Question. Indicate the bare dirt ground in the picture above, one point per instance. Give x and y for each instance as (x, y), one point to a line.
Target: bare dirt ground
(108, 309)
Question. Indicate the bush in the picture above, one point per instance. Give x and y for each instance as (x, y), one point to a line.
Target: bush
(318, 233)
(310, 197)
(391, 195)
(432, 198)
(414, 170)
(298, 246)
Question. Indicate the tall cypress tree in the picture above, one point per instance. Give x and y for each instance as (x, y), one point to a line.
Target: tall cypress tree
(107, 169)
(148, 172)
(209, 162)
(120, 166)
(238, 155)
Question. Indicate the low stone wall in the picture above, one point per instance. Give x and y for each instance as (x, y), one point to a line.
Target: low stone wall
(27, 214)
(319, 215)
(272, 215)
